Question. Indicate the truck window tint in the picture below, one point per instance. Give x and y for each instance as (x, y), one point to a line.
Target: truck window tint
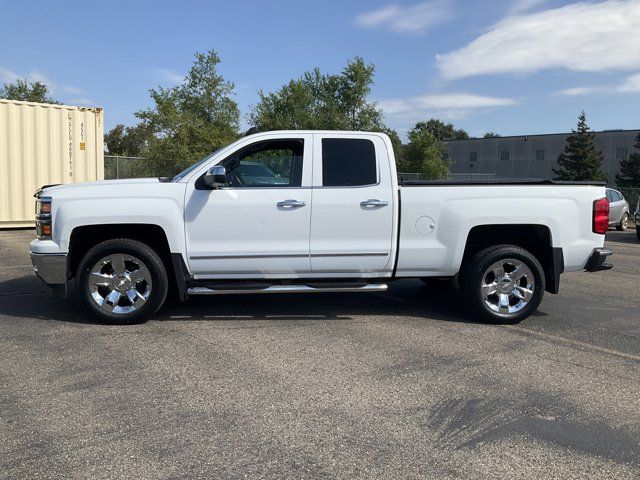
(273, 163)
(348, 162)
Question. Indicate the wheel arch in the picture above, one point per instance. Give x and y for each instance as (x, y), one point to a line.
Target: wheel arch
(85, 237)
(536, 239)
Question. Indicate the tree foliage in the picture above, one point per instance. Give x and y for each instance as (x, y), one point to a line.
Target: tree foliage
(425, 153)
(442, 131)
(128, 141)
(492, 135)
(629, 175)
(580, 160)
(27, 92)
(192, 119)
(321, 101)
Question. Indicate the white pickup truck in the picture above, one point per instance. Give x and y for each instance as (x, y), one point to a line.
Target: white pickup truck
(308, 212)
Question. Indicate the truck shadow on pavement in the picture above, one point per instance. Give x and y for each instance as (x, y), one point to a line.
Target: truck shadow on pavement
(26, 297)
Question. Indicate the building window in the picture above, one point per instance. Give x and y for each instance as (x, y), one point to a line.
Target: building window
(622, 153)
(504, 155)
(473, 157)
(539, 154)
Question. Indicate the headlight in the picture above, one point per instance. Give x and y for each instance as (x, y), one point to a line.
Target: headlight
(43, 217)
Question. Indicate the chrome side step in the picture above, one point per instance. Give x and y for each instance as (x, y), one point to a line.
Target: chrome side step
(372, 287)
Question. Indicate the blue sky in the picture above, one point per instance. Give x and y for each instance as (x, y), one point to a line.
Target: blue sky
(513, 67)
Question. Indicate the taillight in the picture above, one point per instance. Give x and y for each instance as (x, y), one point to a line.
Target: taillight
(601, 215)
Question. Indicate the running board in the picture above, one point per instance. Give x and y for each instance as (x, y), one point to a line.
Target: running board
(372, 287)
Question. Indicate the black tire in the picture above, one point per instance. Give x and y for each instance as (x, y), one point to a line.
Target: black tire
(638, 231)
(475, 274)
(126, 249)
(624, 222)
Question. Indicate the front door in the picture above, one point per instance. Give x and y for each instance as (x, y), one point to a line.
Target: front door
(352, 218)
(258, 224)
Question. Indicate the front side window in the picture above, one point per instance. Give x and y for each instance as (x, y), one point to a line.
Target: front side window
(348, 162)
(272, 163)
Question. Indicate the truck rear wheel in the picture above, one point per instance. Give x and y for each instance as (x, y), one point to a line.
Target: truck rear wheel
(122, 281)
(503, 284)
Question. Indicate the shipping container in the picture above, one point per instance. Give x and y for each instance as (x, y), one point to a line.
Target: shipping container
(44, 144)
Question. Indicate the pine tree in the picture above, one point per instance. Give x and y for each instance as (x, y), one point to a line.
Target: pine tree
(630, 169)
(580, 160)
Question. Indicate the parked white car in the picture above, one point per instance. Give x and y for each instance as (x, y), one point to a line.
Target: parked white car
(618, 210)
(331, 218)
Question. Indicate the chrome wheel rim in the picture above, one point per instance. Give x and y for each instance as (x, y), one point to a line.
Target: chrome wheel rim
(507, 286)
(120, 283)
(625, 221)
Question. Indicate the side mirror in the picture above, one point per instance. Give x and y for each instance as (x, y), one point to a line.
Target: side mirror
(216, 177)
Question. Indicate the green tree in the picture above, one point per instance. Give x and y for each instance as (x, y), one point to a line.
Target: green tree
(192, 119)
(425, 153)
(442, 131)
(492, 135)
(127, 141)
(27, 91)
(321, 101)
(629, 175)
(580, 160)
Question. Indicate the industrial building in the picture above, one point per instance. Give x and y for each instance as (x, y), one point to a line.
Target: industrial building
(531, 155)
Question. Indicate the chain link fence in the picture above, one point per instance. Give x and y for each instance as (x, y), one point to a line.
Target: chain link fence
(129, 167)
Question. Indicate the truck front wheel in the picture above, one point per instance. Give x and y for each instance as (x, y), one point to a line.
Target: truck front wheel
(122, 281)
(503, 284)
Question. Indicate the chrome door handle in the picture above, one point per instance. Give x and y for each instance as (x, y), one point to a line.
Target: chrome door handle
(291, 204)
(372, 202)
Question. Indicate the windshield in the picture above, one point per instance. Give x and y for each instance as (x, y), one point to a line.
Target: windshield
(188, 170)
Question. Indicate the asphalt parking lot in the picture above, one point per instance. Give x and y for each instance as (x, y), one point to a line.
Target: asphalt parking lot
(398, 385)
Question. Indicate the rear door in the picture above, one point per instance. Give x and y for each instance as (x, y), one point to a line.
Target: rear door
(353, 213)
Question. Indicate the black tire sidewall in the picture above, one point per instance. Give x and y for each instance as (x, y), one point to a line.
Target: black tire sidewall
(475, 272)
(151, 260)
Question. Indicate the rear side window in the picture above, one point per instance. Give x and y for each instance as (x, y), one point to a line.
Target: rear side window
(348, 162)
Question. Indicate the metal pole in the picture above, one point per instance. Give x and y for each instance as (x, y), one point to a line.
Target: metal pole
(117, 167)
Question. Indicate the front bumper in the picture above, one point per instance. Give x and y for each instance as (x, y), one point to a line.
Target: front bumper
(598, 260)
(52, 270)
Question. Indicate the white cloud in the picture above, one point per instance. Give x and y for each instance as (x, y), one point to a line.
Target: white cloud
(442, 105)
(169, 75)
(586, 37)
(400, 19)
(630, 84)
(10, 76)
(578, 91)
